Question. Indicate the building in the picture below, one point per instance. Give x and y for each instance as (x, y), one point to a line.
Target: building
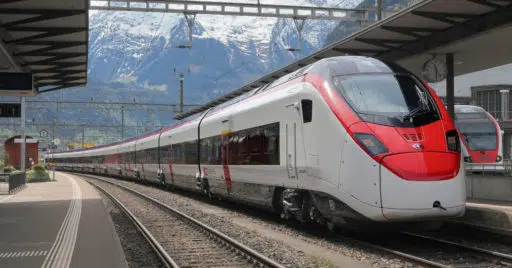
(494, 99)
(13, 149)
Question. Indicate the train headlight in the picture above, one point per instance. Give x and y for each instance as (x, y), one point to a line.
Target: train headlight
(452, 140)
(371, 143)
(498, 158)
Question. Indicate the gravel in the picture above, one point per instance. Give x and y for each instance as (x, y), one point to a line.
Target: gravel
(137, 251)
(185, 244)
(222, 220)
(473, 238)
(446, 254)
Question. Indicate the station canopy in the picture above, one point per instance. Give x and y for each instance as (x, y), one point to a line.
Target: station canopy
(48, 38)
(477, 32)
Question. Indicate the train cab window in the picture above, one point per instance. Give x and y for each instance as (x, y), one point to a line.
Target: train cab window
(388, 99)
(307, 110)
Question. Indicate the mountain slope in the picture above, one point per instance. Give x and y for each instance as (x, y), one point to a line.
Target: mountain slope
(133, 58)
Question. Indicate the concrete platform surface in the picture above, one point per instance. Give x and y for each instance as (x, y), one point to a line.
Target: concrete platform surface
(58, 224)
(495, 216)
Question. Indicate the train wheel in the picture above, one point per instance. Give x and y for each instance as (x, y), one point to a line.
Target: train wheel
(331, 227)
(206, 188)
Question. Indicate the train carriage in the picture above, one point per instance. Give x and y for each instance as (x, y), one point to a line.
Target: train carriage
(146, 157)
(343, 140)
(482, 139)
(111, 160)
(179, 155)
(126, 164)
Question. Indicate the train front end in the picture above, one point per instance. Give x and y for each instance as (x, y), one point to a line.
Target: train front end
(407, 147)
(482, 141)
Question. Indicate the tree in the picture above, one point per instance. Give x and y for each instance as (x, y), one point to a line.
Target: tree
(6, 158)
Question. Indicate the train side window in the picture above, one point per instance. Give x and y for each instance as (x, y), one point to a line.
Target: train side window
(307, 110)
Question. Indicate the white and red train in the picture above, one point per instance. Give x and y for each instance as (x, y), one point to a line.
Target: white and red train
(482, 139)
(343, 140)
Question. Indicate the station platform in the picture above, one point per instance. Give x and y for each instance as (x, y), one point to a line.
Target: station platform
(489, 215)
(62, 223)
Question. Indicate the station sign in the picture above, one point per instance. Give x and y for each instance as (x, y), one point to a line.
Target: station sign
(16, 81)
(26, 140)
(10, 110)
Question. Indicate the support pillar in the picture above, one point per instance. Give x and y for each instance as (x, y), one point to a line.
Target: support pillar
(83, 135)
(190, 18)
(122, 122)
(450, 85)
(52, 144)
(181, 92)
(299, 25)
(379, 9)
(504, 104)
(23, 139)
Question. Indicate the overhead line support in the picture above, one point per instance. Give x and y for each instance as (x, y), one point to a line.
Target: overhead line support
(236, 9)
(299, 25)
(190, 18)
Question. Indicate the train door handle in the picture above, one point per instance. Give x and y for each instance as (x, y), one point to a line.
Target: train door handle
(295, 105)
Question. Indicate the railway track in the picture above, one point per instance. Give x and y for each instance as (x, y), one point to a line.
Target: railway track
(434, 252)
(421, 249)
(179, 240)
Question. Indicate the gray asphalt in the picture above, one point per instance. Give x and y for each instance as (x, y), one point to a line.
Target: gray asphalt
(29, 229)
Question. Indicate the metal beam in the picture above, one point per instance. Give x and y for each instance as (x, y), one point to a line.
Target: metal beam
(58, 73)
(57, 65)
(50, 46)
(410, 31)
(40, 15)
(485, 3)
(379, 43)
(445, 17)
(45, 32)
(459, 31)
(55, 57)
(238, 9)
(66, 85)
(58, 81)
(357, 51)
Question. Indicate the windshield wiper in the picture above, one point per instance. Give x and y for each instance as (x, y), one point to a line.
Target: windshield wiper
(415, 112)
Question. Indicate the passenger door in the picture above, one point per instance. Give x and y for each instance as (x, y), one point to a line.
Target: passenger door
(293, 134)
(225, 158)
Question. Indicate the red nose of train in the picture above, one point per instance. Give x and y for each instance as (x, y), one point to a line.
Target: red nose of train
(427, 153)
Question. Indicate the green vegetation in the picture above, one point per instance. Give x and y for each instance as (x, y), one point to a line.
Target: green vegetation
(37, 174)
(9, 169)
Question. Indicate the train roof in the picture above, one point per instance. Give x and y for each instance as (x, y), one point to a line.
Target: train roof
(336, 66)
(464, 108)
(347, 65)
(356, 64)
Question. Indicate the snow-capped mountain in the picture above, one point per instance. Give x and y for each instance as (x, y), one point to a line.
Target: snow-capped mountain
(139, 48)
(133, 58)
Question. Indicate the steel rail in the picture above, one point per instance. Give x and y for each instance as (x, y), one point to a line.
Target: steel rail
(158, 249)
(508, 257)
(226, 239)
(401, 254)
(424, 261)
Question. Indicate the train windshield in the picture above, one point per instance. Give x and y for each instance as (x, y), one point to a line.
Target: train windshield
(478, 135)
(387, 99)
